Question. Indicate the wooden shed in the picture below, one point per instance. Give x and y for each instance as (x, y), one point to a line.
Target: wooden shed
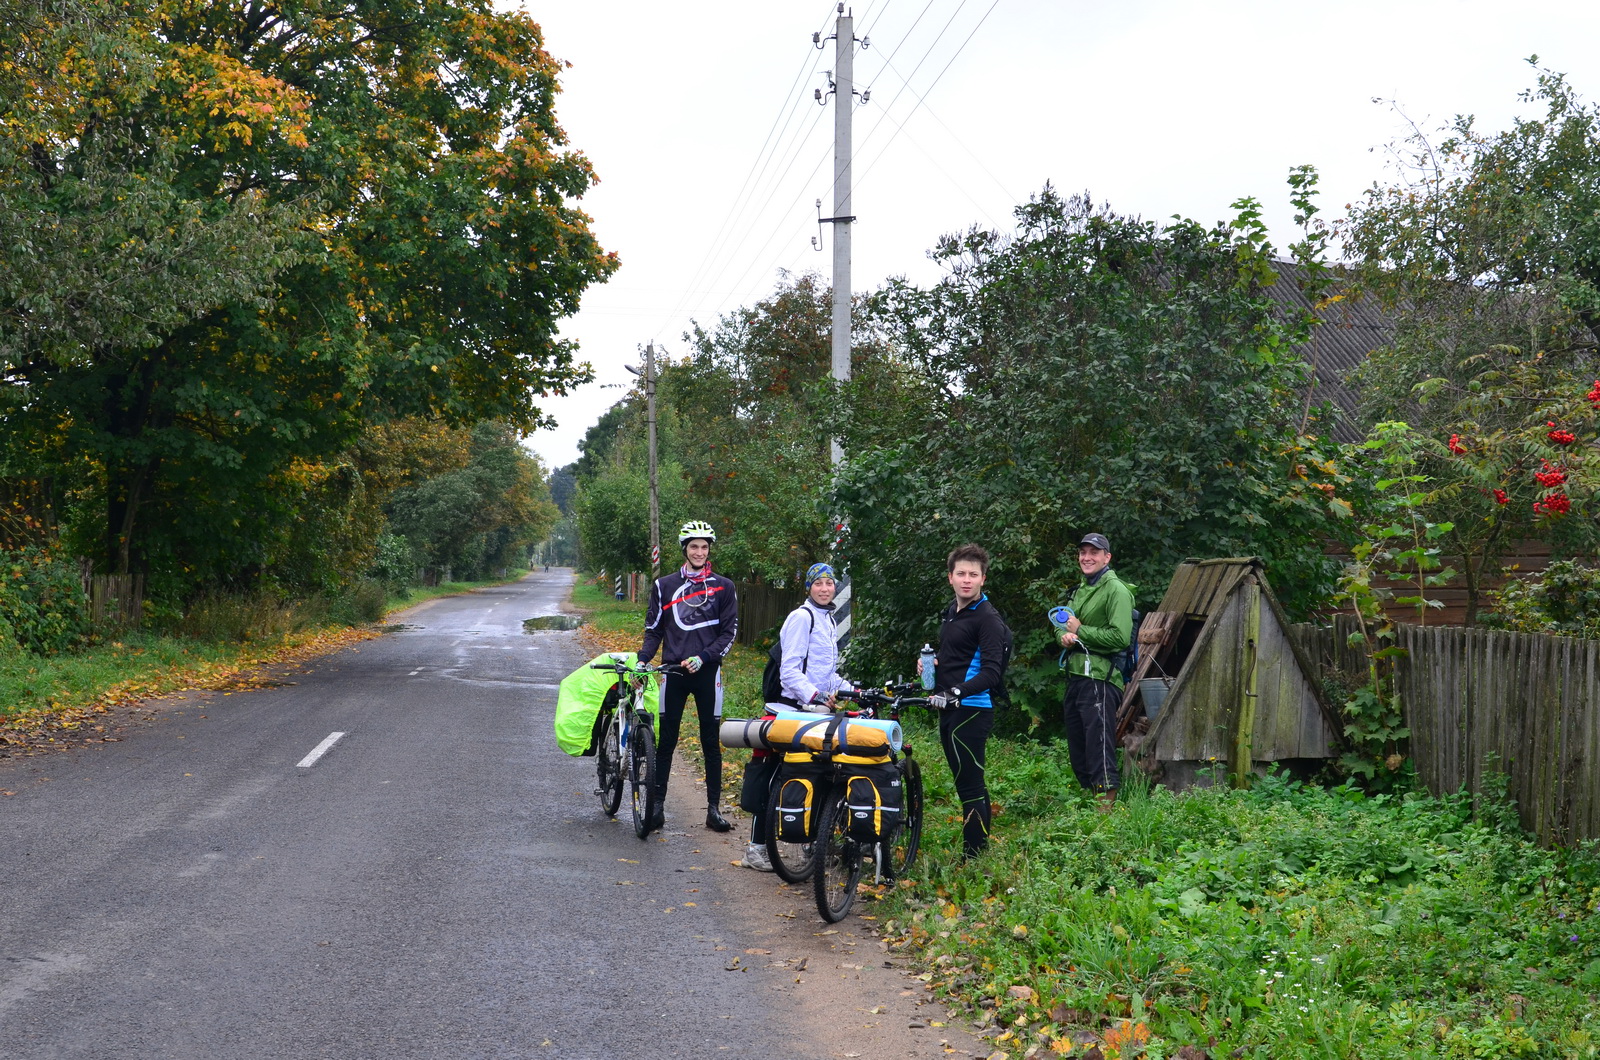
(1241, 693)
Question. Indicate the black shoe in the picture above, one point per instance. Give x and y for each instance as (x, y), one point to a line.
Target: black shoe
(655, 820)
(716, 822)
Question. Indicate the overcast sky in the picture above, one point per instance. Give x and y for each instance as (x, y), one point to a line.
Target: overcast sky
(711, 152)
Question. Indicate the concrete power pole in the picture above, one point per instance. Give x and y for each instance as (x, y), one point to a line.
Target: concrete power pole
(844, 94)
(844, 40)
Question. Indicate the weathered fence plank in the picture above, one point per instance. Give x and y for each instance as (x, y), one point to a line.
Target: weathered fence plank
(1477, 701)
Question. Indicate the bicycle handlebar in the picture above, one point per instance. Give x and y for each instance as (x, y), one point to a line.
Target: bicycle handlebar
(616, 666)
(895, 696)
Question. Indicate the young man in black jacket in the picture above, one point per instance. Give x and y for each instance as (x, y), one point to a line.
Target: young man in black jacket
(966, 670)
(692, 617)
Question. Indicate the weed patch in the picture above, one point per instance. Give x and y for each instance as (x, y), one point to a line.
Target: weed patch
(1285, 921)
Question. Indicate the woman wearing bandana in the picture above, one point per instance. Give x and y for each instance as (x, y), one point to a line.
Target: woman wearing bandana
(692, 617)
(809, 673)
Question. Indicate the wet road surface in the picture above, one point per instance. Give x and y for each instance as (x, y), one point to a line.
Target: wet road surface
(439, 882)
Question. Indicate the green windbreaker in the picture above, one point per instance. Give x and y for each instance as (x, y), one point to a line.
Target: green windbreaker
(578, 704)
(1105, 610)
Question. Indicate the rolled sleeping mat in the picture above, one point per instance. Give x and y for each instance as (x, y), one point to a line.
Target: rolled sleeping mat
(799, 730)
(744, 732)
(853, 735)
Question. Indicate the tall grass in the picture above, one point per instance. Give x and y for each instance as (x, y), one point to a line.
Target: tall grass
(1284, 921)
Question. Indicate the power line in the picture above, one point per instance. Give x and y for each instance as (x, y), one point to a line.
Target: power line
(757, 170)
(935, 82)
(922, 102)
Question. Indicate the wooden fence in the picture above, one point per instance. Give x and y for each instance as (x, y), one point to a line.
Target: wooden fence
(762, 608)
(116, 601)
(1480, 701)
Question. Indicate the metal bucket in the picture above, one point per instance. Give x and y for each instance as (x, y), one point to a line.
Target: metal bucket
(1153, 690)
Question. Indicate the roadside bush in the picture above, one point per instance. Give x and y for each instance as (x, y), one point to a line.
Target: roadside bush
(364, 601)
(395, 564)
(42, 605)
(1564, 599)
(235, 619)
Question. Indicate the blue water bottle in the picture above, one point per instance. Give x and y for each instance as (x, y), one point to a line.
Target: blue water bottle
(927, 667)
(1059, 617)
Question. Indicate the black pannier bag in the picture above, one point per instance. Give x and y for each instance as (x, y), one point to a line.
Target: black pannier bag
(802, 793)
(875, 795)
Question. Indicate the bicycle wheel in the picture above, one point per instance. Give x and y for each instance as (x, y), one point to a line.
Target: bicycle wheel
(642, 774)
(900, 848)
(608, 758)
(793, 862)
(838, 858)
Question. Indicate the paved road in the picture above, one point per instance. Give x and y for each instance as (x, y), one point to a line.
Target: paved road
(439, 884)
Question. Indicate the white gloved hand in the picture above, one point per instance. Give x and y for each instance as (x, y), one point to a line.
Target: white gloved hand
(693, 664)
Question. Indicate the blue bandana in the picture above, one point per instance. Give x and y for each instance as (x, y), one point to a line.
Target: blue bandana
(819, 570)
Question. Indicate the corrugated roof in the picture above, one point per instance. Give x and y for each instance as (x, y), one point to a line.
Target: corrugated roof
(1351, 328)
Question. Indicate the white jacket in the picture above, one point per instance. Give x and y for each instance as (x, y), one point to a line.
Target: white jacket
(810, 655)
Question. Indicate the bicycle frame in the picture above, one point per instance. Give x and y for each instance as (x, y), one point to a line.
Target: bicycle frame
(633, 722)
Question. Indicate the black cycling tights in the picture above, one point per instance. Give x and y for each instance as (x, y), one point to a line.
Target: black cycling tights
(964, 732)
(706, 687)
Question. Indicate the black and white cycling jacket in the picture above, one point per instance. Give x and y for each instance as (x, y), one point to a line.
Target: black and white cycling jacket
(700, 617)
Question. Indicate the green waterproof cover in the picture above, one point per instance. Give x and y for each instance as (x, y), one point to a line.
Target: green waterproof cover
(582, 692)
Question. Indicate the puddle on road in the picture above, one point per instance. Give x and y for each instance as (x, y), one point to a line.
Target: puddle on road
(543, 622)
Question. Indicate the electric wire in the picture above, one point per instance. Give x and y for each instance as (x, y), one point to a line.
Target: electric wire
(753, 176)
(920, 99)
(757, 262)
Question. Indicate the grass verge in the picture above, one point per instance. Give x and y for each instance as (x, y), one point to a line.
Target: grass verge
(1284, 921)
(56, 702)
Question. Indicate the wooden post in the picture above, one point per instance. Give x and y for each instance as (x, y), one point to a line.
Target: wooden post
(1248, 695)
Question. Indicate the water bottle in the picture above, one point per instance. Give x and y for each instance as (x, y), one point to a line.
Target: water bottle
(1059, 617)
(927, 667)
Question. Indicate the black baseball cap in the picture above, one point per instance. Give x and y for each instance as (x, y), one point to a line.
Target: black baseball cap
(1097, 540)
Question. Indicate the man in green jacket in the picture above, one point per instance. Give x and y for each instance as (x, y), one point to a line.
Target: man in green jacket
(1101, 626)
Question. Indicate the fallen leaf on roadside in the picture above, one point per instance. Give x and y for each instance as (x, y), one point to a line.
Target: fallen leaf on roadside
(755, 950)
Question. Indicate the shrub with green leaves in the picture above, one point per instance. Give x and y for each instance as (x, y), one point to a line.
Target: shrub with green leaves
(1564, 599)
(42, 605)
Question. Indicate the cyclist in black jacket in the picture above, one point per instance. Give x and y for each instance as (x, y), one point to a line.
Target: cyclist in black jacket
(692, 617)
(966, 669)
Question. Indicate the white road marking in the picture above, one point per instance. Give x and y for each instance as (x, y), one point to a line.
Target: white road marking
(414, 673)
(321, 749)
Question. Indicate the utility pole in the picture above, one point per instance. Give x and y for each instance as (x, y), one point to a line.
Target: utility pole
(844, 93)
(655, 492)
(650, 422)
(843, 87)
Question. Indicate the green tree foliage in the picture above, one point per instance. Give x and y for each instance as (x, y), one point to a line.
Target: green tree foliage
(759, 395)
(480, 517)
(613, 517)
(1563, 599)
(1486, 252)
(1094, 372)
(397, 196)
(42, 606)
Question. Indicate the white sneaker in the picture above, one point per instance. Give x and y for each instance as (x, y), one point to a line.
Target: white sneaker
(755, 857)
